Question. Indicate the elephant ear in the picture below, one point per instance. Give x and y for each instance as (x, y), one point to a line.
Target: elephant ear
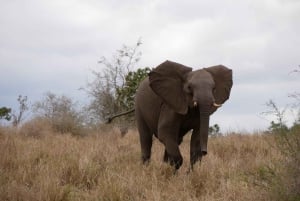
(223, 82)
(167, 80)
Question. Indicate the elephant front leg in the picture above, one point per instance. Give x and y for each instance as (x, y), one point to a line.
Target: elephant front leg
(172, 154)
(195, 148)
(166, 156)
(168, 130)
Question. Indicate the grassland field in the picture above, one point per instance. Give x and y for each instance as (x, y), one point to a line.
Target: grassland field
(105, 166)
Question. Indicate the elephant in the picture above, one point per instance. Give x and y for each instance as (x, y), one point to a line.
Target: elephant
(173, 100)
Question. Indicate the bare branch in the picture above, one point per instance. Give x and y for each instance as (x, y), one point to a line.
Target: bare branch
(112, 76)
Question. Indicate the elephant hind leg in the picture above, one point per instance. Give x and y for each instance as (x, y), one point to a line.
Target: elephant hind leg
(145, 141)
(166, 157)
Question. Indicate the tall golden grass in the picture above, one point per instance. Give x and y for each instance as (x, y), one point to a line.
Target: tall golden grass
(38, 164)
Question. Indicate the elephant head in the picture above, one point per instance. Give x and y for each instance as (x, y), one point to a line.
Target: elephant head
(181, 88)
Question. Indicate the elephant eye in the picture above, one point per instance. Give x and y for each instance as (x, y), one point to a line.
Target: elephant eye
(189, 89)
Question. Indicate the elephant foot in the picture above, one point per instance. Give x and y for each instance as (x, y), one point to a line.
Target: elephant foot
(191, 168)
(145, 160)
(175, 161)
(194, 158)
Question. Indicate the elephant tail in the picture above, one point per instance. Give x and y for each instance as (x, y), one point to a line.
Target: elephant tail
(109, 120)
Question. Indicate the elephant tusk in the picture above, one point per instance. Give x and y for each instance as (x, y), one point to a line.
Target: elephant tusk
(217, 105)
(195, 104)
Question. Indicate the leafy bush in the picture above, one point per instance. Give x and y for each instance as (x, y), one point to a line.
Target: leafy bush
(288, 142)
(5, 113)
(126, 93)
(214, 130)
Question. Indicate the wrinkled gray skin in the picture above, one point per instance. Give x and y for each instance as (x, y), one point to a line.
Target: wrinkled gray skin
(173, 100)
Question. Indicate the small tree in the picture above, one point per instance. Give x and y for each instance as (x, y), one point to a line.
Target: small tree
(288, 143)
(214, 130)
(126, 93)
(277, 126)
(23, 107)
(296, 107)
(5, 113)
(103, 90)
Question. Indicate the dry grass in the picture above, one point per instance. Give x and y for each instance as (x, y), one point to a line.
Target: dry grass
(104, 166)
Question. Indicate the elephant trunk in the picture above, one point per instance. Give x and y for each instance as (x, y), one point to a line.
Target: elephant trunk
(204, 126)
